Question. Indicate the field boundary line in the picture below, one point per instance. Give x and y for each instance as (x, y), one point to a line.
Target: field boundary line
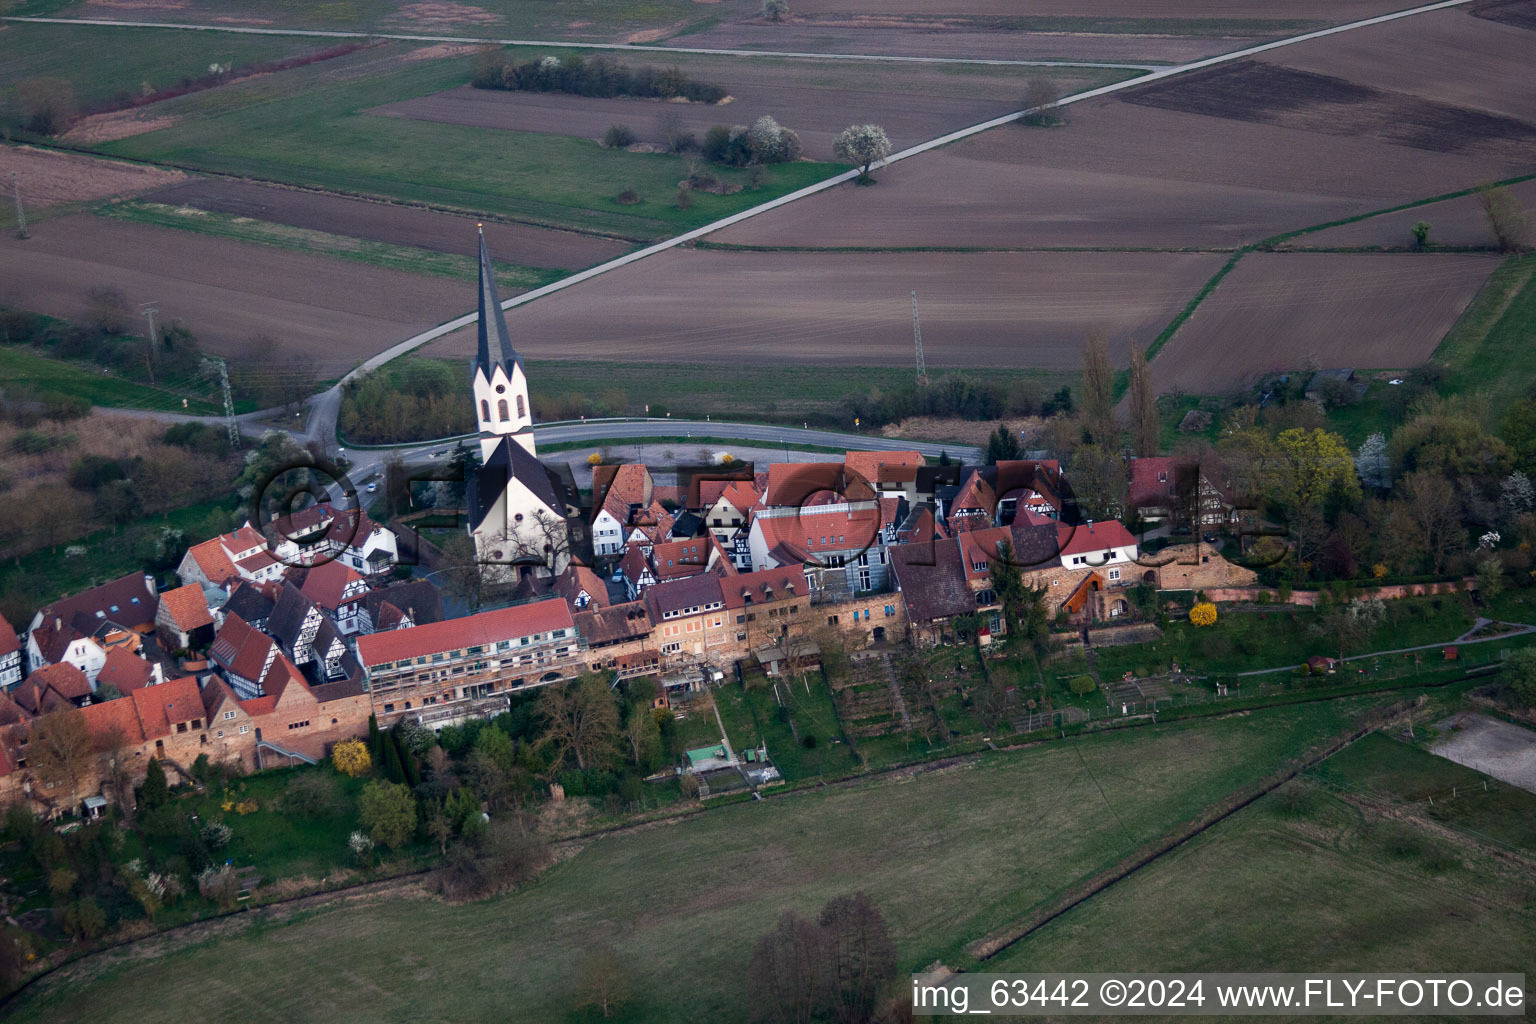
(988, 946)
(698, 51)
(450, 326)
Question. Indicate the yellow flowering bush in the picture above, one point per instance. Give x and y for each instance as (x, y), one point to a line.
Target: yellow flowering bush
(1203, 614)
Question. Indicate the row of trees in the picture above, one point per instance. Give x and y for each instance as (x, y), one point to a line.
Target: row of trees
(599, 76)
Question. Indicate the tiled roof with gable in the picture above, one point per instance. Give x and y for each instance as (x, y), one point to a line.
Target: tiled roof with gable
(796, 484)
(975, 495)
(622, 488)
(874, 466)
(679, 558)
(420, 599)
(252, 601)
(1086, 538)
(741, 494)
(1153, 482)
(9, 643)
(812, 533)
(470, 631)
(119, 715)
(128, 601)
(161, 708)
(188, 607)
(1034, 540)
(241, 649)
(764, 586)
(677, 596)
(980, 548)
(124, 671)
(286, 622)
(932, 580)
(51, 686)
(634, 564)
(326, 584)
(214, 561)
(615, 623)
(577, 578)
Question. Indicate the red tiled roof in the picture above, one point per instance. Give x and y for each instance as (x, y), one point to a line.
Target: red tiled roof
(326, 583)
(980, 547)
(188, 607)
(629, 484)
(872, 466)
(578, 578)
(634, 565)
(974, 494)
(679, 558)
(161, 707)
(211, 557)
(258, 706)
(120, 714)
(812, 533)
(8, 641)
(1091, 537)
(125, 671)
(64, 678)
(1152, 482)
(241, 648)
(806, 483)
(471, 631)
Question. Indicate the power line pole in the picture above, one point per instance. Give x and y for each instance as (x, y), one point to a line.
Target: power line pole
(229, 406)
(21, 215)
(149, 351)
(917, 339)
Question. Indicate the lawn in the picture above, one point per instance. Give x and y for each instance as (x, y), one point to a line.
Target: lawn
(1384, 768)
(752, 714)
(310, 127)
(947, 855)
(1240, 642)
(100, 63)
(43, 374)
(1304, 883)
(1488, 351)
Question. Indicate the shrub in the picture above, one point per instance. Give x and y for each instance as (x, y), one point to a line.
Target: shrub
(350, 757)
(619, 136)
(1203, 614)
(775, 10)
(311, 796)
(1420, 233)
(595, 459)
(684, 198)
(217, 835)
(629, 197)
(47, 105)
(808, 741)
(220, 885)
(1081, 685)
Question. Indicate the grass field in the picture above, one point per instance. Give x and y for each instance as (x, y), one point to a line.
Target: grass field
(40, 373)
(1488, 351)
(947, 855)
(99, 63)
(310, 127)
(511, 277)
(1341, 889)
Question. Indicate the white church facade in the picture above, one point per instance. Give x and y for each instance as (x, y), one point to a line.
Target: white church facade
(521, 513)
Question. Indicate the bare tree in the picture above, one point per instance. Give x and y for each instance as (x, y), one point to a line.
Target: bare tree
(604, 981)
(108, 310)
(581, 718)
(60, 748)
(1436, 510)
(1039, 94)
(47, 105)
(787, 978)
(861, 954)
(1098, 390)
(1506, 217)
(1146, 427)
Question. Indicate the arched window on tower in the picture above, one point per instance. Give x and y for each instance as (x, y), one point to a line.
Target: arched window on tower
(501, 407)
(485, 409)
(520, 408)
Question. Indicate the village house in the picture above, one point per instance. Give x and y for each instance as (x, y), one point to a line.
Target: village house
(183, 620)
(619, 494)
(322, 533)
(400, 606)
(82, 628)
(125, 672)
(244, 654)
(339, 591)
(10, 656)
(460, 668)
(688, 616)
(241, 554)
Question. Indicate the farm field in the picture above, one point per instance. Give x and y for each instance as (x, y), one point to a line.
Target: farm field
(140, 58)
(391, 223)
(1342, 890)
(1279, 311)
(599, 20)
(912, 103)
(309, 127)
(51, 178)
(978, 309)
(227, 291)
(1488, 351)
(947, 855)
(1458, 222)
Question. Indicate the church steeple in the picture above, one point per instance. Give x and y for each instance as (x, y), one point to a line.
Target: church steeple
(499, 380)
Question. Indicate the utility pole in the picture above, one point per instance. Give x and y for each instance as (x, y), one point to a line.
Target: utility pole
(21, 215)
(149, 352)
(229, 406)
(917, 339)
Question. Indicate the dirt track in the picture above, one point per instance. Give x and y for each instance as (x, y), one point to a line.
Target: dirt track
(1278, 311)
(227, 291)
(396, 225)
(1009, 309)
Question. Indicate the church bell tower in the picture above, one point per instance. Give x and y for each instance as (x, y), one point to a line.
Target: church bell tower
(500, 382)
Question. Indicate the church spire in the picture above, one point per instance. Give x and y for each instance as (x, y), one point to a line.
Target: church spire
(492, 323)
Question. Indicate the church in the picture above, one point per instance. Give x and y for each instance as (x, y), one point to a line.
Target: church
(522, 514)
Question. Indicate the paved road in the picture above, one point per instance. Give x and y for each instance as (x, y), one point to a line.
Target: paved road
(563, 44)
(327, 404)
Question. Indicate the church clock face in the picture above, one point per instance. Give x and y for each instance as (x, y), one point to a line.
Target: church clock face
(501, 389)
